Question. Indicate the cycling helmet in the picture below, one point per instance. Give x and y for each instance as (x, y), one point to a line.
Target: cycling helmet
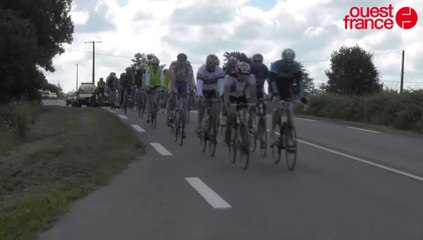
(288, 54)
(155, 61)
(182, 57)
(243, 68)
(257, 58)
(212, 60)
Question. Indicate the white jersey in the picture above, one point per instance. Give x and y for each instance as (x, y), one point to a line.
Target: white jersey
(208, 80)
(237, 87)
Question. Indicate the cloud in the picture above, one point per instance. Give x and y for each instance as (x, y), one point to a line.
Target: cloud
(314, 29)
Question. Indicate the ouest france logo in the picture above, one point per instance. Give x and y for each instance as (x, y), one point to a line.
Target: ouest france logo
(362, 18)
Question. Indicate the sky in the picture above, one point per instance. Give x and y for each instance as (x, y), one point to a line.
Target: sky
(313, 28)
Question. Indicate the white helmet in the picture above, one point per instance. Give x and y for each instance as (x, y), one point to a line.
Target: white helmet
(288, 54)
(243, 68)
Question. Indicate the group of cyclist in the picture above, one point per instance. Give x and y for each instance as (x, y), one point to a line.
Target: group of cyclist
(241, 83)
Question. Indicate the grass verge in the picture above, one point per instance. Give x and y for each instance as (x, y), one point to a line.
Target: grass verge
(67, 153)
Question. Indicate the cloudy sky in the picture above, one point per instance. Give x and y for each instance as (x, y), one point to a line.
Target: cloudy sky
(313, 28)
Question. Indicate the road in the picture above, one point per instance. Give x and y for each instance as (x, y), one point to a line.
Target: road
(349, 184)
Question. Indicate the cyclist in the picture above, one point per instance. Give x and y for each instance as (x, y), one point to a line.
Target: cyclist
(181, 81)
(210, 81)
(260, 72)
(283, 74)
(153, 81)
(113, 85)
(101, 85)
(138, 83)
(125, 86)
(236, 92)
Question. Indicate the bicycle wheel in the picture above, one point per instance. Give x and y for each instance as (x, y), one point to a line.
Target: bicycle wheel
(262, 136)
(176, 122)
(204, 135)
(252, 132)
(181, 127)
(244, 147)
(234, 144)
(212, 138)
(277, 148)
(291, 146)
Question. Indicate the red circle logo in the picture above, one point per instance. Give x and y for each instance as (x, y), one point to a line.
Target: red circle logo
(406, 18)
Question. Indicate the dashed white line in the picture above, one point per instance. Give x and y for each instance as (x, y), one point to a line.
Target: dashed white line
(365, 130)
(208, 194)
(137, 128)
(162, 150)
(362, 160)
(123, 116)
(365, 161)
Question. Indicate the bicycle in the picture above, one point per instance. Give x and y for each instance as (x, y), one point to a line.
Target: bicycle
(242, 142)
(260, 128)
(287, 139)
(140, 101)
(154, 107)
(179, 118)
(125, 100)
(190, 105)
(209, 128)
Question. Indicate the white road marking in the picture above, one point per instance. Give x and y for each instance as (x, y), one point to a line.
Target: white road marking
(207, 193)
(159, 148)
(362, 129)
(137, 128)
(306, 119)
(365, 161)
(123, 116)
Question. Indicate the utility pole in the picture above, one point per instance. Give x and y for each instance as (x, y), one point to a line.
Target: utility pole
(402, 72)
(76, 89)
(93, 43)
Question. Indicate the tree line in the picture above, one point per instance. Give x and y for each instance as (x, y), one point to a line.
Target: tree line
(31, 34)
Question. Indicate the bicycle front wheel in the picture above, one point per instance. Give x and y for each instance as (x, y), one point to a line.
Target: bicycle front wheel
(212, 139)
(262, 137)
(291, 147)
(177, 129)
(181, 128)
(277, 148)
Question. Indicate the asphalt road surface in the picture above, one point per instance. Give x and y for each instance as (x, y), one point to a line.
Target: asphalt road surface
(349, 183)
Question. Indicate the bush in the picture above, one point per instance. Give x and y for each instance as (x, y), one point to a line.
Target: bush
(15, 121)
(402, 111)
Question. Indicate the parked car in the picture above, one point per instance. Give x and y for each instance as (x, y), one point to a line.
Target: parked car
(45, 94)
(52, 95)
(85, 95)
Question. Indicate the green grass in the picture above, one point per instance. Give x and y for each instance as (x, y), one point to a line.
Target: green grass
(67, 153)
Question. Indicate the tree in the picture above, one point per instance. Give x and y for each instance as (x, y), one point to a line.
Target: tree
(19, 51)
(31, 34)
(141, 60)
(307, 80)
(238, 55)
(52, 23)
(352, 72)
